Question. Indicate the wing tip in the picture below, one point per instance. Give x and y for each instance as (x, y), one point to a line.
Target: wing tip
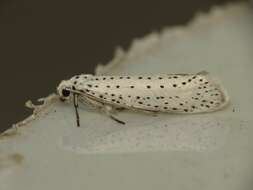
(225, 100)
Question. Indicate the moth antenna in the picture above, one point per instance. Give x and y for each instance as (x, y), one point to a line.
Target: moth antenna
(76, 109)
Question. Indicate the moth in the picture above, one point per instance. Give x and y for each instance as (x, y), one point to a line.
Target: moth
(172, 93)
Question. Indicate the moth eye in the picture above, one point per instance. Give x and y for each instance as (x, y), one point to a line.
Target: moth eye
(65, 93)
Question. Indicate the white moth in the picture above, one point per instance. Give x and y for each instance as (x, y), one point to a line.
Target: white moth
(173, 93)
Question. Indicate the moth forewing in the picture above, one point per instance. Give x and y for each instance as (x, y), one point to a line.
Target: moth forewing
(174, 93)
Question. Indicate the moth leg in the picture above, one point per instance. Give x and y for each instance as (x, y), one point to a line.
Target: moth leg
(152, 113)
(90, 102)
(120, 109)
(149, 112)
(117, 120)
(107, 109)
(76, 109)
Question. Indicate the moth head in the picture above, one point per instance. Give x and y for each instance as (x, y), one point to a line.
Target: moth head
(64, 90)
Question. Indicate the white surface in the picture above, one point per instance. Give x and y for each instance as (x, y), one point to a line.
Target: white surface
(204, 151)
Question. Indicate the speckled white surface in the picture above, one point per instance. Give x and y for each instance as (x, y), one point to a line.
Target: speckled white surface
(201, 151)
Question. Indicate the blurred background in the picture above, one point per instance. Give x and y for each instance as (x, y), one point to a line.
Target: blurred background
(45, 41)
